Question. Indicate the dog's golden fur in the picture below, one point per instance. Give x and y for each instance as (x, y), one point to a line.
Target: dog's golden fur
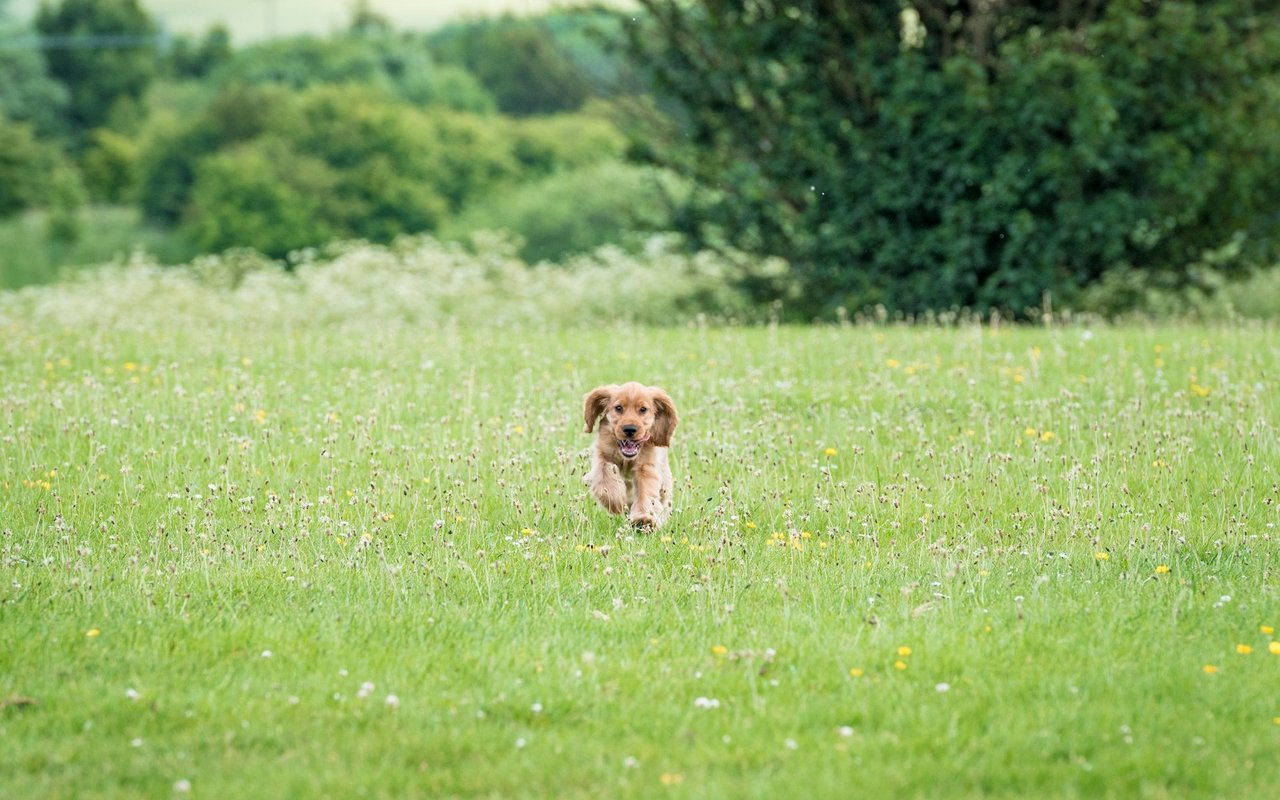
(630, 473)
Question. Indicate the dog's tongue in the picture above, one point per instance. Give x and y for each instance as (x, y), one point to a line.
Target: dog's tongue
(630, 447)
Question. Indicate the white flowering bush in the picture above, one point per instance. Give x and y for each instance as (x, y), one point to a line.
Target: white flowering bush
(415, 281)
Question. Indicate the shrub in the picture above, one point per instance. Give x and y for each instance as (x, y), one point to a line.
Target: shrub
(978, 156)
(543, 145)
(109, 166)
(575, 211)
(25, 164)
(261, 193)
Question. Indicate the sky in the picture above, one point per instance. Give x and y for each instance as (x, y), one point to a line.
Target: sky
(251, 20)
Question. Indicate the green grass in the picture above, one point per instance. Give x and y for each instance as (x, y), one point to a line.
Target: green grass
(110, 233)
(377, 498)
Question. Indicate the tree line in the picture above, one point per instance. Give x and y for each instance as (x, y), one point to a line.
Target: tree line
(926, 154)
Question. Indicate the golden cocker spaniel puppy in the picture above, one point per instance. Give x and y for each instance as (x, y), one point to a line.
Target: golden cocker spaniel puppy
(629, 469)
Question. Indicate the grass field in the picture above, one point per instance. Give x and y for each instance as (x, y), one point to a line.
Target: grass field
(312, 548)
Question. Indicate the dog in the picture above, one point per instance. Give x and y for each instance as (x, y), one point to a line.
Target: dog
(630, 473)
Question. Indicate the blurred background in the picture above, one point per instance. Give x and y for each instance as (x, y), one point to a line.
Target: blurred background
(906, 155)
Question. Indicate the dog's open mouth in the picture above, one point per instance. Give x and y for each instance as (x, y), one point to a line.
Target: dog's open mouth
(630, 447)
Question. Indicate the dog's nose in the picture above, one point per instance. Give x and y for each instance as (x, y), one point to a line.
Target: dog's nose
(629, 430)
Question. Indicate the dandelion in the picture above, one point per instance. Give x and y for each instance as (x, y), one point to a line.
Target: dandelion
(1030, 432)
(536, 708)
(942, 688)
(93, 633)
(892, 363)
(719, 650)
(1048, 436)
(791, 744)
(1267, 629)
(899, 665)
(1210, 669)
(856, 672)
(830, 451)
(904, 651)
(845, 731)
(182, 787)
(671, 778)
(1162, 569)
(1274, 648)
(1102, 556)
(1244, 649)
(392, 701)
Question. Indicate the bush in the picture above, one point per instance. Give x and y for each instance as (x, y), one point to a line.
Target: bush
(574, 212)
(543, 145)
(25, 164)
(416, 281)
(264, 194)
(978, 157)
(109, 166)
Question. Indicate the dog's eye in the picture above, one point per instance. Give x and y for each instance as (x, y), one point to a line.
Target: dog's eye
(644, 410)
(618, 409)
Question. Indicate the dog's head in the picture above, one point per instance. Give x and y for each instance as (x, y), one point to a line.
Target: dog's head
(632, 414)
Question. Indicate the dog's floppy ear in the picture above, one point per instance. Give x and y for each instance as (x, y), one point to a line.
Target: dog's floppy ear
(593, 404)
(664, 423)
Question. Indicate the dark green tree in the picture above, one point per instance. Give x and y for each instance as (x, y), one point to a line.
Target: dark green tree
(188, 58)
(27, 93)
(103, 51)
(937, 153)
(518, 61)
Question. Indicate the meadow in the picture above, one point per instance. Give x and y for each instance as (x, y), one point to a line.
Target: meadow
(324, 535)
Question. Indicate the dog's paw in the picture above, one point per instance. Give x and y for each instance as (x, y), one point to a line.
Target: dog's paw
(643, 521)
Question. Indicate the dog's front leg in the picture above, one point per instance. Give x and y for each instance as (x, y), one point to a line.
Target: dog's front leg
(607, 486)
(645, 510)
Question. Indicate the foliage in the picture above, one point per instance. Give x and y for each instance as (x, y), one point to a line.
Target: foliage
(545, 144)
(349, 161)
(27, 92)
(109, 166)
(99, 78)
(969, 154)
(519, 61)
(66, 201)
(261, 193)
(400, 66)
(189, 59)
(25, 164)
(574, 211)
(107, 234)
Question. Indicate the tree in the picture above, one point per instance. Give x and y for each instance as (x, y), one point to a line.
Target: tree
(519, 62)
(27, 93)
(400, 66)
(942, 152)
(103, 51)
(25, 164)
(190, 59)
